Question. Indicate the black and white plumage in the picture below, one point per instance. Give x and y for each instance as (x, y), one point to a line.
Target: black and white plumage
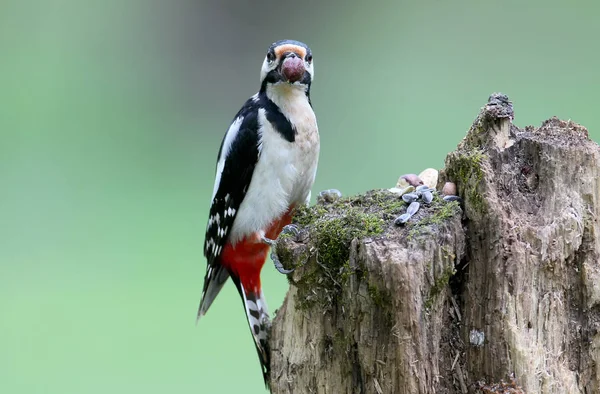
(266, 166)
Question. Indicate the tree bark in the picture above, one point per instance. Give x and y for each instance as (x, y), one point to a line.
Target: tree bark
(500, 295)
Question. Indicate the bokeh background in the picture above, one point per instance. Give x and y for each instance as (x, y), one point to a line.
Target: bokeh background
(111, 115)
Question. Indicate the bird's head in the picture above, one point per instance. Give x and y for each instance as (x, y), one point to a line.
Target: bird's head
(287, 62)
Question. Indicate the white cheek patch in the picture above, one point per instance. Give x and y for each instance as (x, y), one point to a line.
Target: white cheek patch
(310, 70)
(266, 68)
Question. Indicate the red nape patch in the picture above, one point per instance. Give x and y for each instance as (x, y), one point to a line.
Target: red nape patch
(246, 258)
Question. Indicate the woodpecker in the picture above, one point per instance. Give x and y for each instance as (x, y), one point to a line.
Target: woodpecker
(266, 167)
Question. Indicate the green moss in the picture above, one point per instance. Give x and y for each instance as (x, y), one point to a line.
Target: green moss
(441, 282)
(381, 298)
(292, 260)
(381, 203)
(333, 226)
(389, 204)
(332, 234)
(346, 271)
(335, 234)
(441, 211)
(468, 165)
(448, 253)
(475, 135)
(283, 236)
(465, 168)
(305, 215)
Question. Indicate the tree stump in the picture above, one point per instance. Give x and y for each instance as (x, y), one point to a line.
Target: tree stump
(500, 294)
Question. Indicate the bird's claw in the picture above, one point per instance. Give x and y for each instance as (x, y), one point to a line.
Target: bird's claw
(270, 242)
(278, 266)
(290, 229)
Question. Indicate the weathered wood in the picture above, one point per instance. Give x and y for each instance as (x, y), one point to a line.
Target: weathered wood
(454, 301)
(532, 203)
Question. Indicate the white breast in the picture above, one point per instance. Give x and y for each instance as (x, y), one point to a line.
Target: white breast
(285, 171)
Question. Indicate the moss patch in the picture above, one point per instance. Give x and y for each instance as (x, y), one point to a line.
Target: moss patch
(333, 226)
(381, 203)
(381, 298)
(465, 168)
(305, 215)
(440, 211)
(333, 232)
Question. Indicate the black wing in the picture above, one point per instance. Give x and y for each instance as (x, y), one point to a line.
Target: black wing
(240, 156)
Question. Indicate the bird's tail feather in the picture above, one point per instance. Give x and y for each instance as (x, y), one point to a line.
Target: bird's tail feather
(258, 319)
(213, 283)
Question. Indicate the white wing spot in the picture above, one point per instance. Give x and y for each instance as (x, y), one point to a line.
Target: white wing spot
(230, 136)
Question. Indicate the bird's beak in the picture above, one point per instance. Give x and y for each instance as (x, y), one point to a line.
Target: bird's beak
(292, 68)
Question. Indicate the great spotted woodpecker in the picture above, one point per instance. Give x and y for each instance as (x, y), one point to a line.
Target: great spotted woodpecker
(266, 167)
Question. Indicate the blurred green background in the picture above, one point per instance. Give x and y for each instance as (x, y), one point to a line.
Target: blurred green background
(111, 115)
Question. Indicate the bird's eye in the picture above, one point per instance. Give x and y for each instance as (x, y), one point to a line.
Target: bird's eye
(270, 56)
(309, 58)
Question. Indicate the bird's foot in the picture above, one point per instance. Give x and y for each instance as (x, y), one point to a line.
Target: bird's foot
(289, 230)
